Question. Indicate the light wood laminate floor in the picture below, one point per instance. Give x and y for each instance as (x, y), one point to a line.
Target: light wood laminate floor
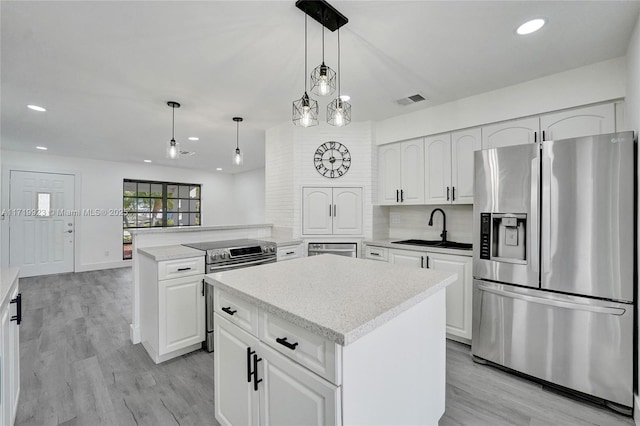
(78, 367)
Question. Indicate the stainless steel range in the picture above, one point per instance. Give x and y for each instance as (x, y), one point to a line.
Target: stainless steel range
(228, 255)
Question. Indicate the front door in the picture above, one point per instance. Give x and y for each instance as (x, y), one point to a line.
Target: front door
(41, 224)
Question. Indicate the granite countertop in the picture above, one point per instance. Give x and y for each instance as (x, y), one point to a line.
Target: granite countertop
(171, 229)
(7, 278)
(170, 252)
(281, 242)
(340, 298)
(388, 242)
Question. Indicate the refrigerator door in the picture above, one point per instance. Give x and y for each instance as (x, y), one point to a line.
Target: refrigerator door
(588, 216)
(580, 343)
(506, 206)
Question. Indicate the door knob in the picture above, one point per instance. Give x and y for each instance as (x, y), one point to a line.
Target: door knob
(69, 231)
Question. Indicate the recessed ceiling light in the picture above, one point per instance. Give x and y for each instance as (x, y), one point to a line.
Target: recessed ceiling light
(147, 161)
(36, 108)
(219, 169)
(44, 148)
(194, 138)
(531, 26)
(345, 98)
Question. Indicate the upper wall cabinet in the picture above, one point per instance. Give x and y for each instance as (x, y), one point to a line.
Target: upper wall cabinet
(574, 123)
(332, 211)
(448, 160)
(401, 173)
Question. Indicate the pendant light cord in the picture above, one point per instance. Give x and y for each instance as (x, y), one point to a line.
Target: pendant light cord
(237, 135)
(173, 121)
(322, 43)
(339, 74)
(305, 52)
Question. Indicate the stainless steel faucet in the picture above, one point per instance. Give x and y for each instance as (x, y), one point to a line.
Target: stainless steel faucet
(444, 223)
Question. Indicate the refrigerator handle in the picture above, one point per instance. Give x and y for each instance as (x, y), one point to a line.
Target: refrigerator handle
(535, 206)
(545, 237)
(552, 302)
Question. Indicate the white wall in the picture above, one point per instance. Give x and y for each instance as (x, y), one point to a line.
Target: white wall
(593, 83)
(99, 186)
(632, 121)
(249, 198)
(278, 170)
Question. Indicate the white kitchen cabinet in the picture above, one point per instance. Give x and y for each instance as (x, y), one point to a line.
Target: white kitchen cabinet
(331, 211)
(509, 133)
(15, 312)
(288, 252)
(449, 166)
(376, 253)
(172, 313)
(574, 123)
(401, 173)
(10, 318)
(256, 385)
(5, 325)
(459, 293)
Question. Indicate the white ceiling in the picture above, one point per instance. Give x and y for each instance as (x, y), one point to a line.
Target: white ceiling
(104, 70)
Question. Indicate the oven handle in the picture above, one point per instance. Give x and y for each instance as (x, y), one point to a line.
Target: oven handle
(241, 265)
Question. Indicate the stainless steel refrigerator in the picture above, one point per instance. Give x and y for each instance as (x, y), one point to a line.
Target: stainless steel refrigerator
(554, 258)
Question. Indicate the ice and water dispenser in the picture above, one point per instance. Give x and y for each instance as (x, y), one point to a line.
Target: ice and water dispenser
(503, 237)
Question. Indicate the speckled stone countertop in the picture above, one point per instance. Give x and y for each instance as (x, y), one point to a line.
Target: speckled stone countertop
(390, 244)
(281, 242)
(170, 252)
(340, 298)
(7, 279)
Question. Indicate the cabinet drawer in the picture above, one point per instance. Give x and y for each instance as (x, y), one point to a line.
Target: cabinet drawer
(311, 350)
(180, 268)
(376, 253)
(236, 310)
(289, 252)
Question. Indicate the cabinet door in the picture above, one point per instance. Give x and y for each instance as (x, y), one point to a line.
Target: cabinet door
(5, 373)
(407, 257)
(347, 211)
(437, 173)
(412, 165)
(236, 401)
(292, 395)
(463, 144)
(509, 133)
(181, 313)
(587, 121)
(15, 357)
(458, 293)
(389, 175)
(317, 211)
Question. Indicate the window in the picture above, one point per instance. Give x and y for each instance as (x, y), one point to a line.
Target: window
(149, 204)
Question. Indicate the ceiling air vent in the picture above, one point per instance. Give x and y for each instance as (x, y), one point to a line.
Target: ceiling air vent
(409, 100)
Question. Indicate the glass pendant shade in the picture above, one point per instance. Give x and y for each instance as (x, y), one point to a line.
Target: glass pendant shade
(238, 157)
(173, 150)
(323, 80)
(305, 111)
(339, 113)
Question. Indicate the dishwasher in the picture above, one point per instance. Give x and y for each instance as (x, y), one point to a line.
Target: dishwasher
(341, 249)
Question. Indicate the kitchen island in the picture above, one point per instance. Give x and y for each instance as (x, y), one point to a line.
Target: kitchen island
(329, 340)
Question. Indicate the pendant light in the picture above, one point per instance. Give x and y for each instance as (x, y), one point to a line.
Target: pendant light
(323, 78)
(338, 110)
(305, 109)
(173, 147)
(237, 155)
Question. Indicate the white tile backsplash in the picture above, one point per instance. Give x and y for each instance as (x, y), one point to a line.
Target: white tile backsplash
(405, 222)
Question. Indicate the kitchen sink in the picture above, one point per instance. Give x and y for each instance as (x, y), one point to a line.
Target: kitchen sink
(436, 243)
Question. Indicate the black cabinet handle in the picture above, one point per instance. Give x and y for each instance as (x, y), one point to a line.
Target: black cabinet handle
(256, 360)
(18, 301)
(422, 261)
(397, 195)
(203, 286)
(373, 253)
(402, 195)
(184, 269)
(329, 210)
(427, 262)
(249, 372)
(535, 137)
(453, 193)
(290, 252)
(229, 311)
(447, 193)
(544, 137)
(283, 342)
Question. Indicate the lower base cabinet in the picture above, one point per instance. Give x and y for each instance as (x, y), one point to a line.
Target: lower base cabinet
(257, 385)
(10, 318)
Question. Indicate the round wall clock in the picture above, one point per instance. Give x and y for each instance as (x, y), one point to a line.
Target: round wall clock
(332, 159)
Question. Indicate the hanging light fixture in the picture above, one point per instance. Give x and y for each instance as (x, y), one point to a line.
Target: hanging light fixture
(305, 109)
(339, 110)
(323, 78)
(173, 147)
(237, 155)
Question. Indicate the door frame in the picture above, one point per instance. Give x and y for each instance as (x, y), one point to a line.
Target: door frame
(5, 204)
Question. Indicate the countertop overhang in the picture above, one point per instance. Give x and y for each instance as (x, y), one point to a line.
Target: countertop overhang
(340, 298)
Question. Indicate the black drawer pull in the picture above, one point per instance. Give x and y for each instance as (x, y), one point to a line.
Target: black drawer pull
(373, 253)
(18, 316)
(290, 252)
(283, 342)
(256, 360)
(229, 311)
(249, 372)
(184, 269)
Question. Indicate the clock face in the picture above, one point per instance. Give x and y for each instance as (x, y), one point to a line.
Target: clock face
(332, 159)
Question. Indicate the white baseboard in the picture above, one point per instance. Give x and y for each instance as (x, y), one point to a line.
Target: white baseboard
(105, 265)
(636, 409)
(134, 334)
